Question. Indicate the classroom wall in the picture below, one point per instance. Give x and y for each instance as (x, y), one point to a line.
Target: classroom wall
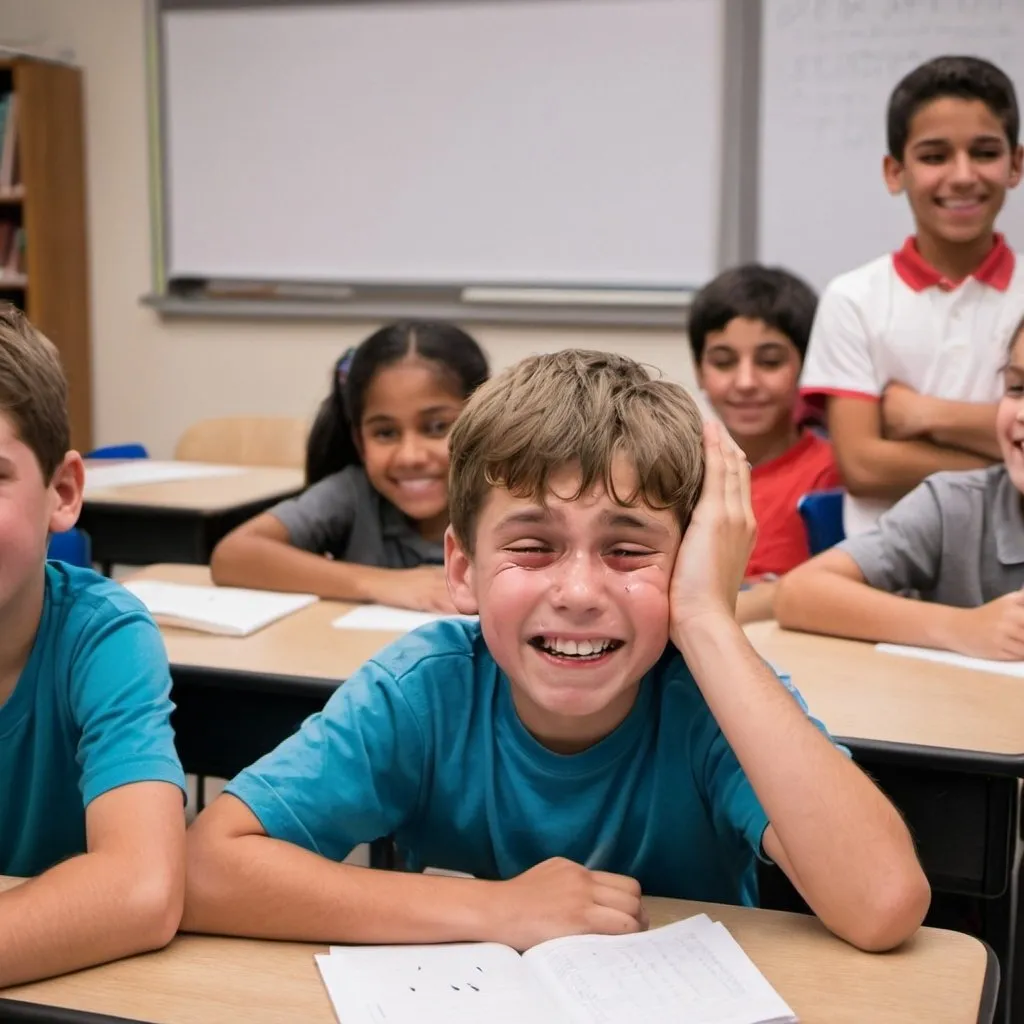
(153, 377)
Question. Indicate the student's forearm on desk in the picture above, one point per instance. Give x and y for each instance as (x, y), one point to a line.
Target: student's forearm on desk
(757, 603)
(821, 597)
(253, 561)
(840, 840)
(85, 911)
(267, 888)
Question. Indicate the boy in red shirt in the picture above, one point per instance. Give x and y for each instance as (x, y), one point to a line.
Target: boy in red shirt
(749, 330)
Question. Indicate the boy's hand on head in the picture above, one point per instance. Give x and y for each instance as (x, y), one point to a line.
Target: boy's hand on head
(994, 630)
(905, 413)
(560, 897)
(713, 557)
(423, 589)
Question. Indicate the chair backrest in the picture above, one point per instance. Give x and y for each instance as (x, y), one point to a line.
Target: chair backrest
(246, 441)
(72, 547)
(119, 451)
(822, 513)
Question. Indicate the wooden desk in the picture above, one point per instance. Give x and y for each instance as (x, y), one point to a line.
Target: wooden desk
(938, 977)
(946, 744)
(884, 699)
(179, 520)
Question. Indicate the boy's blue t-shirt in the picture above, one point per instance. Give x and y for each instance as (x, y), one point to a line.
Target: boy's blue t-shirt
(90, 712)
(423, 742)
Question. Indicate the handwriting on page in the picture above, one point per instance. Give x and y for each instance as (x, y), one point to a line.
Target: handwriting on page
(667, 974)
(454, 984)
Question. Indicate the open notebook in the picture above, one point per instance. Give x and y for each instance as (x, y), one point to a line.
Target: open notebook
(690, 972)
(230, 611)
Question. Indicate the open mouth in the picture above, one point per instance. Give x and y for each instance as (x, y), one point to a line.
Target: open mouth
(593, 649)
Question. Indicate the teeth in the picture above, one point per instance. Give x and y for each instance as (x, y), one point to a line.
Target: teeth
(576, 648)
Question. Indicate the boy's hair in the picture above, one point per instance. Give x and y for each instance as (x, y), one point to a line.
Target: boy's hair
(33, 390)
(966, 78)
(581, 409)
(781, 299)
(331, 446)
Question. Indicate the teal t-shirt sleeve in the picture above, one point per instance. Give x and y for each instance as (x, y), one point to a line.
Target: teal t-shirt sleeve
(735, 806)
(353, 772)
(120, 692)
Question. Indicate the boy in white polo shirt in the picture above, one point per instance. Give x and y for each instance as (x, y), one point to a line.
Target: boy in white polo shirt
(905, 351)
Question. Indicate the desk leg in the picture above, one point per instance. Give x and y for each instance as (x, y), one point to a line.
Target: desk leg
(382, 854)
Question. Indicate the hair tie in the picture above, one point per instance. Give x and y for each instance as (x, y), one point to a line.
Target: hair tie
(343, 365)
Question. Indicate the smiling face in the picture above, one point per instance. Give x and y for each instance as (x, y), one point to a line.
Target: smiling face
(956, 169)
(573, 600)
(403, 439)
(1010, 415)
(750, 373)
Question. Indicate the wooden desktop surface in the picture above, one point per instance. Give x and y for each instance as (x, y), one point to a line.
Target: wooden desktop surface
(858, 692)
(936, 977)
(205, 494)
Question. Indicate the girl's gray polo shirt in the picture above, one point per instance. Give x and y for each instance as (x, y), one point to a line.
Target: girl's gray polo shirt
(344, 517)
(956, 539)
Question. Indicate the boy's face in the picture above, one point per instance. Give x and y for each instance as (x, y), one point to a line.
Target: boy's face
(750, 373)
(1010, 416)
(30, 509)
(956, 169)
(573, 601)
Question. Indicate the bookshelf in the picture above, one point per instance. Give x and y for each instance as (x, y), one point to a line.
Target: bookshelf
(43, 242)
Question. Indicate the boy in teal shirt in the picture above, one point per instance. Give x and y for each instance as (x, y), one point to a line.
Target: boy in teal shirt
(90, 784)
(605, 729)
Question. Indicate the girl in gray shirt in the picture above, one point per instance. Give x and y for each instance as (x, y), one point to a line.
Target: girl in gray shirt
(370, 524)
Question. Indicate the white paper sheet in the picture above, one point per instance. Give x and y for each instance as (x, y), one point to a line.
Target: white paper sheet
(133, 472)
(463, 983)
(389, 620)
(690, 971)
(1003, 668)
(231, 611)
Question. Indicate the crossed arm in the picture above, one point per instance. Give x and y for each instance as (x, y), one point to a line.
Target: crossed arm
(880, 458)
(123, 896)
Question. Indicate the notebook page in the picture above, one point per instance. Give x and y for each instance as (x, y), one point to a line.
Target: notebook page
(462, 983)
(150, 471)
(690, 972)
(1003, 668)
(388, 620)
(233, 611)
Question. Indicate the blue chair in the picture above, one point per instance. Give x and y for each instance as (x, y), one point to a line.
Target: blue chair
(822, 513)
(119, 451)
(72, 547)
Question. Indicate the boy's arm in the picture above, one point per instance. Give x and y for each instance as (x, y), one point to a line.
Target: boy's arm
(838, 838)
(970, 426)
(123, 896)
(873, 466)
(757, 603)
(830, 595)
(266, 862)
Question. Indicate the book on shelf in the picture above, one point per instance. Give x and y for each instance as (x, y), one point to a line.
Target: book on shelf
(9, 152)
(691, 972)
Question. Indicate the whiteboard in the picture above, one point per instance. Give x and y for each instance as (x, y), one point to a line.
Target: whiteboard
(827, 69)
(526, 141)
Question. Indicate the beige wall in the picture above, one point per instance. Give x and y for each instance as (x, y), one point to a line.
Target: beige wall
(153, 377)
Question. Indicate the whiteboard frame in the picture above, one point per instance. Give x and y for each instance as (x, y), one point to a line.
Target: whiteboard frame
(565, 306)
